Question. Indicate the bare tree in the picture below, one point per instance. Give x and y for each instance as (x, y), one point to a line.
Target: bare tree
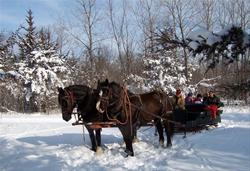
(85, 32)
(148, 15)
(183, 16)
(122, 36)
(207, 12)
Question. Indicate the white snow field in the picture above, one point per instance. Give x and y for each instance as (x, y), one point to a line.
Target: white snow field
(42, 142)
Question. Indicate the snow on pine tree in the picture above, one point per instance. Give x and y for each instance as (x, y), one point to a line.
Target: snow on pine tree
(44, 76)
(229, 44)
(163, 70)
(40, 68)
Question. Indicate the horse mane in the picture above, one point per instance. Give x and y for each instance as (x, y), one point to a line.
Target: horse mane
(79, 90)
(115, 84)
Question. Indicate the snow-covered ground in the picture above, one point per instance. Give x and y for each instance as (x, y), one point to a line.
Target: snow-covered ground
(46, 142)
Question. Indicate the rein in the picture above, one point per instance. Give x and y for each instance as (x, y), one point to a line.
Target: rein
(124, 101)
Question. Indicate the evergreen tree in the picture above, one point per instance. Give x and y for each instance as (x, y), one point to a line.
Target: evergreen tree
(39, 69)
(229, 44)
(162, 69)
(28, 41)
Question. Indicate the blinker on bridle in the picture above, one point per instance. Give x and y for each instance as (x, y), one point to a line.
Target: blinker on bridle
(107, 98)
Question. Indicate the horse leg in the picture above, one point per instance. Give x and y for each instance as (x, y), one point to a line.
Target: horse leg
(128, 139)
(135, 139)
(98, 136)
(160, 132)
(92, 138)
(98, 140)
(169, 129)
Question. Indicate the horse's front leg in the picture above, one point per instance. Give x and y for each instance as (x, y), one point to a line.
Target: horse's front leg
(160, 131)
(128, 139)
(92, 138)
(98, 136)
(98, 140)
(135, 138)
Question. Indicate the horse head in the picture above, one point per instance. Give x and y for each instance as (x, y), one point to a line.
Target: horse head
(110, 96)
(69, 97)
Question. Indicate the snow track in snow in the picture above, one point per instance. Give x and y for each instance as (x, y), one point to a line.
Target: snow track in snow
(46, 142)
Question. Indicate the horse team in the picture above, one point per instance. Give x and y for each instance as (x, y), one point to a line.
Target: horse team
(113, 102)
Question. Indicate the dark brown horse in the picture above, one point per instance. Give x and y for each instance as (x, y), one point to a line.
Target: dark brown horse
(84, 98)
(130, 111)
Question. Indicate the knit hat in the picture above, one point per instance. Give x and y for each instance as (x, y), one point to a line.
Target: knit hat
(178, 92)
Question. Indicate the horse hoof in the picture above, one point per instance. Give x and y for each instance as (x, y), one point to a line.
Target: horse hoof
(99, 151)
(129, 153)
(135, 140)
(161, 143)
(169, 145)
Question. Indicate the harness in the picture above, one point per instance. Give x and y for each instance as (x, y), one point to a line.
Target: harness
(69, 97)
(122, 101)
(126, 102)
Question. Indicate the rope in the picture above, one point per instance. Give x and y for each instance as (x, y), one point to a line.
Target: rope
(83, 131)
(128, 111)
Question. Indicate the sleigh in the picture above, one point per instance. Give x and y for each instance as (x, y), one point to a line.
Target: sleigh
(194, 118)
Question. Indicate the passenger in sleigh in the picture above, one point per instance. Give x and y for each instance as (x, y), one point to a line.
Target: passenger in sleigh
(189, 99)
(213, 103)
(179, 100)
(196, 105)
(198, 99)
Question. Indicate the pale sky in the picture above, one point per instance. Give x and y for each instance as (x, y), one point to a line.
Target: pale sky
(45, 12)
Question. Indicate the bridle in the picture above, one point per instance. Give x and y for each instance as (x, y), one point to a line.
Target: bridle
(106, 99)
(69, 97)
(122, 101)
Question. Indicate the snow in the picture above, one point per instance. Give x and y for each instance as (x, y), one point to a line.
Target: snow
(45, 142)
(2, 72)
(201, 36)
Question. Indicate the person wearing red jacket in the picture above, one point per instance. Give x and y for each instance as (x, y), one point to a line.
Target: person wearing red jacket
(213, 102)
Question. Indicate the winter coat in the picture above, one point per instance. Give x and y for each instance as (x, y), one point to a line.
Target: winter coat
(179, 102)
(188, 100)
(213, 100)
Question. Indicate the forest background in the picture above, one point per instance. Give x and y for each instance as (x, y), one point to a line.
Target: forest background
(195, 45)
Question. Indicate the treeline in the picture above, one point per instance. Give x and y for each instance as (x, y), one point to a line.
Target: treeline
(147, 44)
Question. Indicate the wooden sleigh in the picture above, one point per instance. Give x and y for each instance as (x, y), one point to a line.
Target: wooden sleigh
(194, 118)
